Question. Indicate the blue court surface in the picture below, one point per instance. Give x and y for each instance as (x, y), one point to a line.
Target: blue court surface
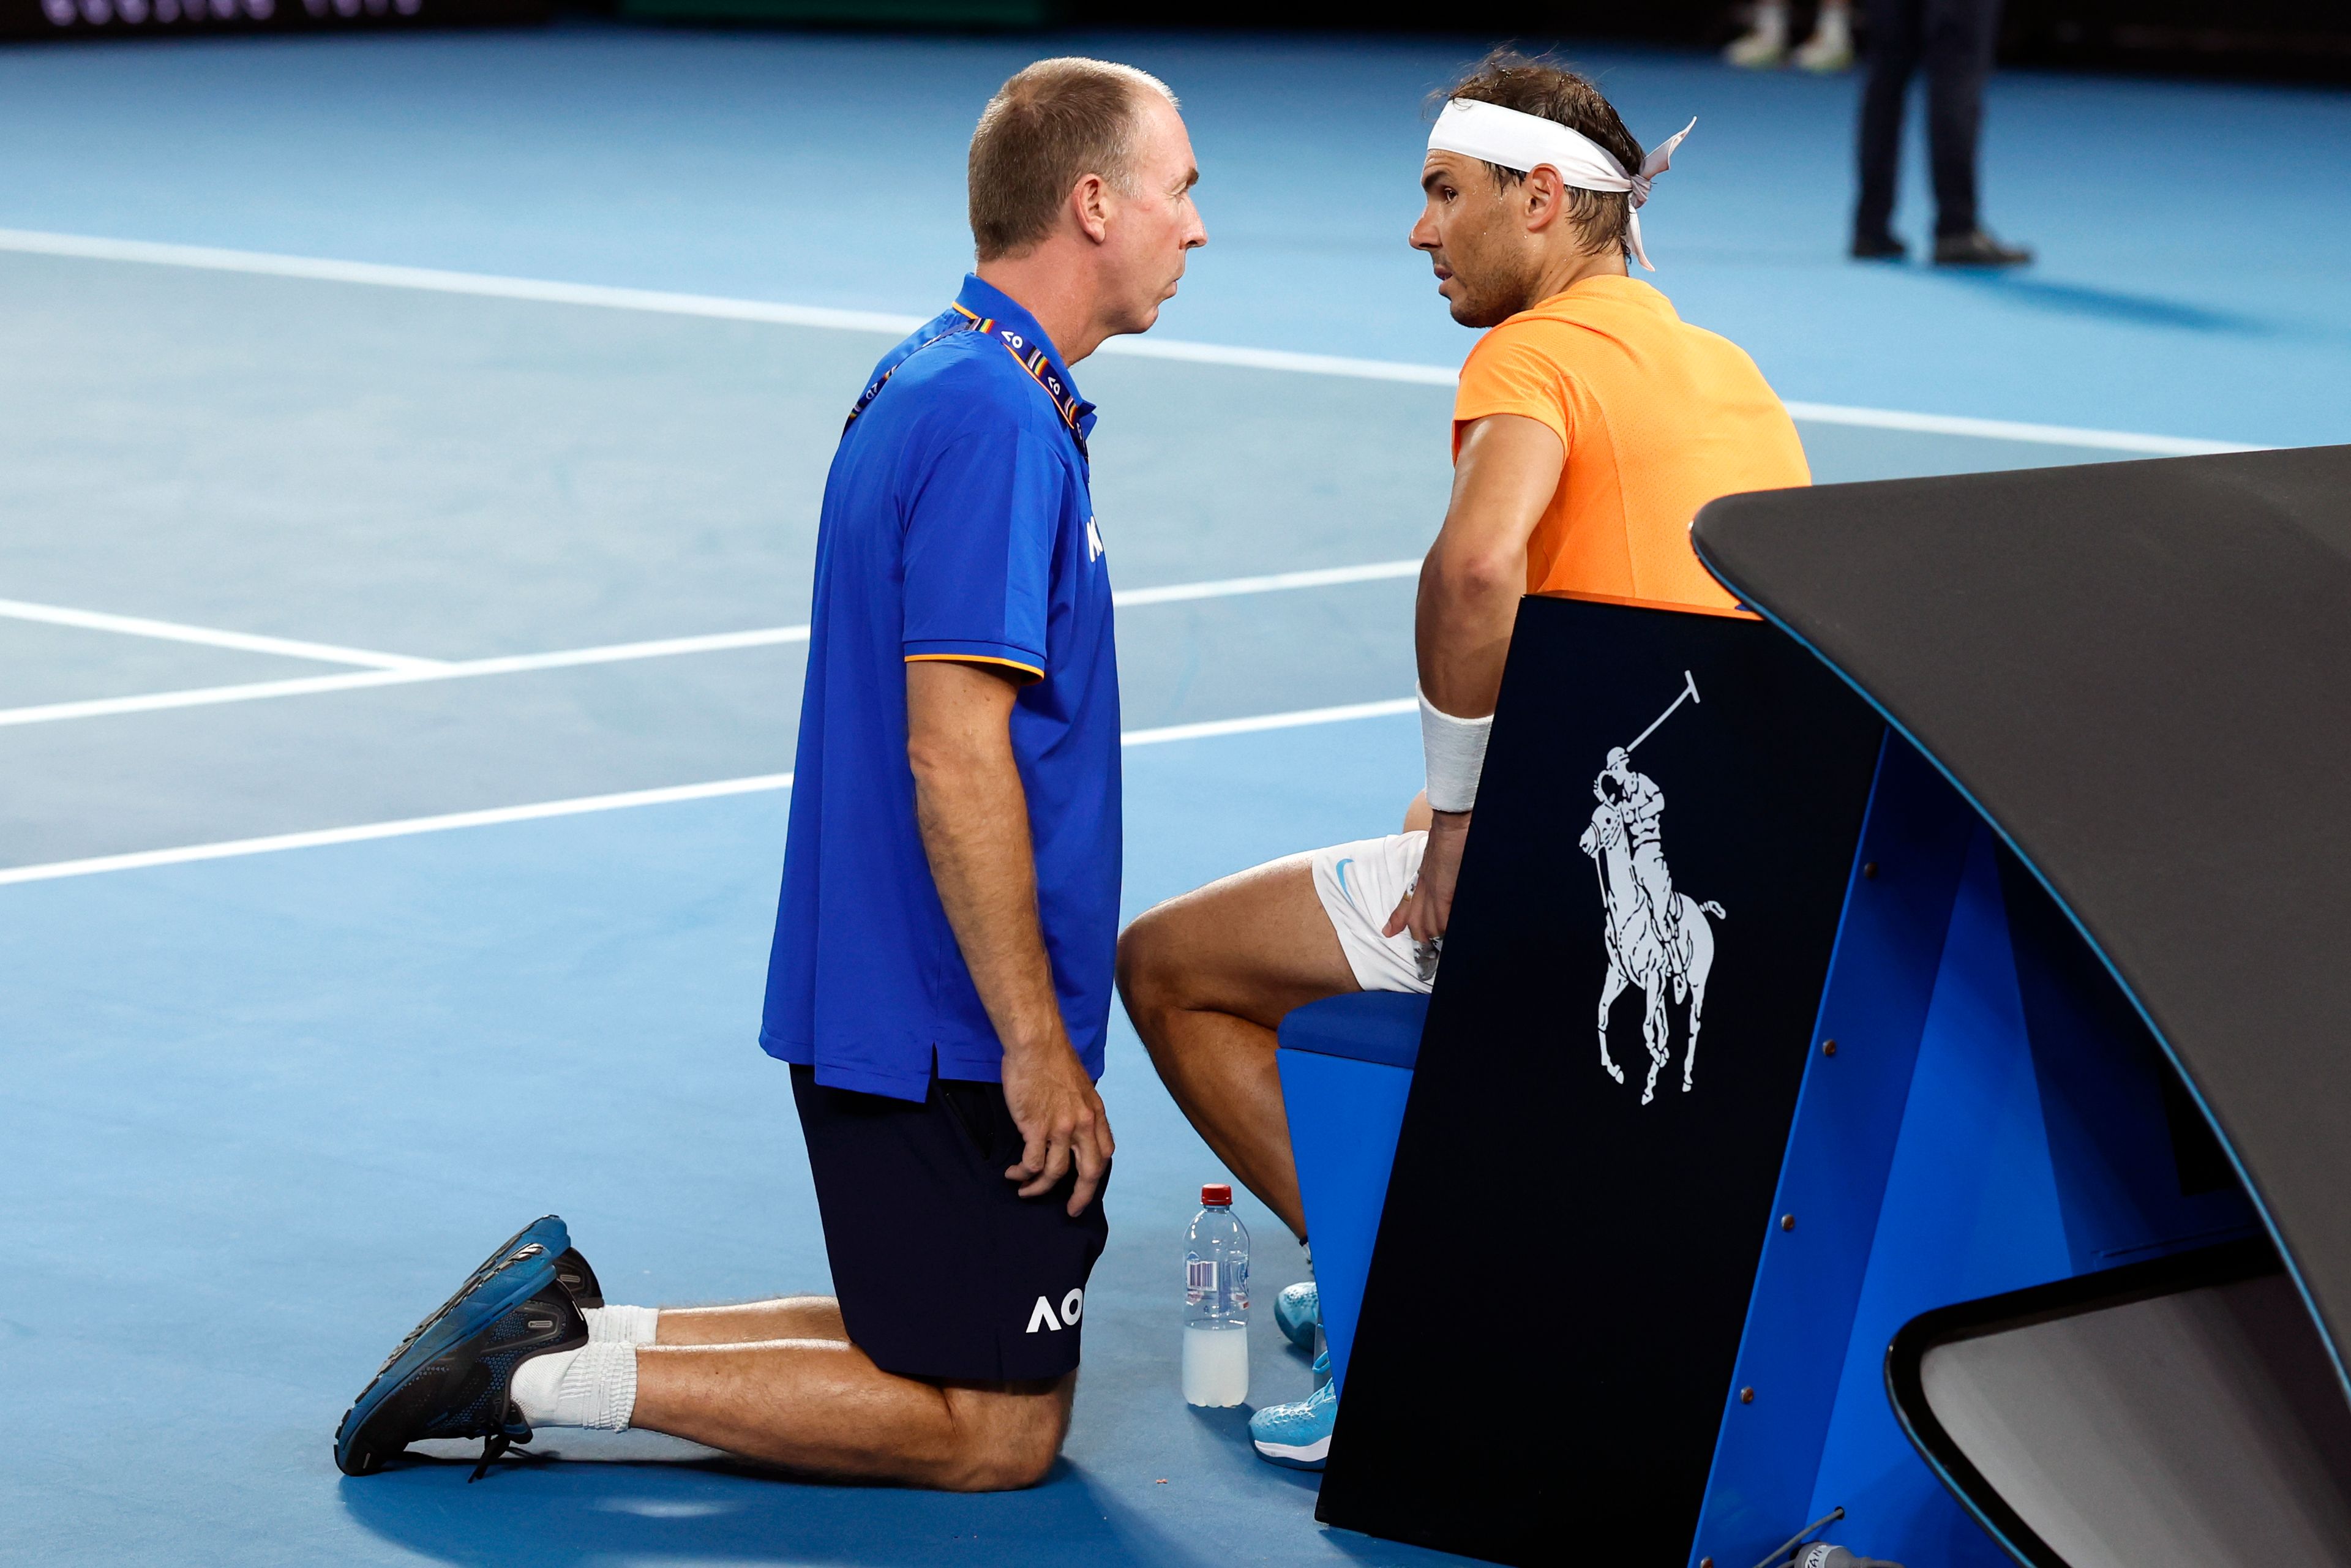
(410, 453)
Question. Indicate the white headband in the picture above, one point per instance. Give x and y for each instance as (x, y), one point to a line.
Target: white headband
(1527, 141)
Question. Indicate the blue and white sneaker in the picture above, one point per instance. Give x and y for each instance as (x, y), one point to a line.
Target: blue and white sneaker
(452, 1376)
(1298, 1313)
(1298, 1435)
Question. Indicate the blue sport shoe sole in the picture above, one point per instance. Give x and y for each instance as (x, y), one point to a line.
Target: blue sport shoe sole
(450, 1377)
(1305, 1457)
(1296, 1435)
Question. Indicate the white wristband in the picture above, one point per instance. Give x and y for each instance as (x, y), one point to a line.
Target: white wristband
(1456, 752)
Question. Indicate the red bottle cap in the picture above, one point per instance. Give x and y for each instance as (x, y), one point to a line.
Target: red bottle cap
(1217, 1195)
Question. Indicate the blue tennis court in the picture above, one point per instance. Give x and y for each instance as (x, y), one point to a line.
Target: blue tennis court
(410, 455)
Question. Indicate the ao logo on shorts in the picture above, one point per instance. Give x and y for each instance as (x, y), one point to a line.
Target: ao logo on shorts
(1073, 1307)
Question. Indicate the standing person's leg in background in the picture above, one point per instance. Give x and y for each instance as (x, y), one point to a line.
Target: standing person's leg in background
(1960, 37)
(1894, 41)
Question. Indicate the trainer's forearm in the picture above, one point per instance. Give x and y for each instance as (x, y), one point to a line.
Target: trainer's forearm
(974, 817)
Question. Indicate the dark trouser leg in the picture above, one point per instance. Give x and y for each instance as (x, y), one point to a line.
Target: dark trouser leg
(1959, 38)
(1894, 43)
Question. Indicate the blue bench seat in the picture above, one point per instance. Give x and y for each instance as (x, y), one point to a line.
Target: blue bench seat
(1346, 1072)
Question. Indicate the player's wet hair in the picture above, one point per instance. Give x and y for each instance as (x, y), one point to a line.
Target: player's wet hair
(1048, 127)
(1533, 85)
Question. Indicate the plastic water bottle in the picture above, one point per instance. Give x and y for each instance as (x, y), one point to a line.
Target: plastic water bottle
(1216, 1303)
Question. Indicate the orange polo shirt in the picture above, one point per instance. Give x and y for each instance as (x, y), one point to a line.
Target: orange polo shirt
(1658, 417)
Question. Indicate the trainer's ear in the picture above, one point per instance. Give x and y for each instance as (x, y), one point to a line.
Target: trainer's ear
(1090, 204)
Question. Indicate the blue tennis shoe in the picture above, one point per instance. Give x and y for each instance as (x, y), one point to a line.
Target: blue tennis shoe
(1298, 1435)
(452, 1376)
(1298, 1313)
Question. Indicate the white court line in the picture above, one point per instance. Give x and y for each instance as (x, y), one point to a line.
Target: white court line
(2012, 430)
(368, 680)
(1281, 359)
(1274, 582)
(489, 285)
(1294, 720)
(423, 671)
(232, 848)
(209, 637)
(434, 280)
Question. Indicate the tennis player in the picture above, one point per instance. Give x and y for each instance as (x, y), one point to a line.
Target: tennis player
(1591, 424)
(942, 968)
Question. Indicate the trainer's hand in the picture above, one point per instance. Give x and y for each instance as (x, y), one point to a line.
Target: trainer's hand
(1061, 1120)
(1426, 909)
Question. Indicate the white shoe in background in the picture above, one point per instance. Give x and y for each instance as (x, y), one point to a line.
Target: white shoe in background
(1765, 44)
(1830, 48)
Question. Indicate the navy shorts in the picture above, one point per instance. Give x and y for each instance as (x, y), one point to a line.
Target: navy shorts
(943, 1269)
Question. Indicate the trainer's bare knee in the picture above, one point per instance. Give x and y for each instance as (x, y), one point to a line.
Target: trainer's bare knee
(1006, 1438)
(1018, 1462)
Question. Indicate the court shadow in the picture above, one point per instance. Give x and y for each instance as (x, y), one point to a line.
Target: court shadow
(1230, 1424)
(556, 1514)
(2105, 304)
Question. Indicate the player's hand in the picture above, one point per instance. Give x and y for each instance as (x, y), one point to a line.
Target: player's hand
(1428, 907)
(1062, 1122)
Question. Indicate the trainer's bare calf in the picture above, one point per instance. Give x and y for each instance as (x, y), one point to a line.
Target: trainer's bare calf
(779, 1381)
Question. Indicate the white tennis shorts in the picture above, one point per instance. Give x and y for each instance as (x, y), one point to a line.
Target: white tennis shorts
(1359, 885)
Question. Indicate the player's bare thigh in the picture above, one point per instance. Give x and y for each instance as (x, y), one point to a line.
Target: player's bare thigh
(1254, 945)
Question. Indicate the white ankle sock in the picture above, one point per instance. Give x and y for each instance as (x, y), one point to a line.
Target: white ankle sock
(622, 1325)
(595, 1386)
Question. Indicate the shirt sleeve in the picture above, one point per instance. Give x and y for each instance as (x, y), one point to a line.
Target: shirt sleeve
(978, 552)
(1507, 373)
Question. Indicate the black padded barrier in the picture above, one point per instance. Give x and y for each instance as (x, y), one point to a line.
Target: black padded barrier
(1563, 1272)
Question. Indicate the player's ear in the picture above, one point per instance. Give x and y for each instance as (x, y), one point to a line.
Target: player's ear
(1546, 197)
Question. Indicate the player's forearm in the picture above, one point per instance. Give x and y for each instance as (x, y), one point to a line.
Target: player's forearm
(1507, 470)
(1468, 603)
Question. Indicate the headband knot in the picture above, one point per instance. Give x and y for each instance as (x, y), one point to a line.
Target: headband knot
(1528, 141)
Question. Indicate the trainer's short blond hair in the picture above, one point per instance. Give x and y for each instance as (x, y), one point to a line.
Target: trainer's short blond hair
(1047, 128)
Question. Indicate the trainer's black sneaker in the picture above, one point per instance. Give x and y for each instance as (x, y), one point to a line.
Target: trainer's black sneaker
(1977, 249)
(549, 1231)
(1878, 247)
(452, 1376)
(571, 1271)
(570, 1267)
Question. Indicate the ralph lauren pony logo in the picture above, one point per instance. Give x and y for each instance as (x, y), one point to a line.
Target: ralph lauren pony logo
(1656, 939)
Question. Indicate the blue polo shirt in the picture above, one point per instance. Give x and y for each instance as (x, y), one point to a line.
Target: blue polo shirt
(957, 525)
